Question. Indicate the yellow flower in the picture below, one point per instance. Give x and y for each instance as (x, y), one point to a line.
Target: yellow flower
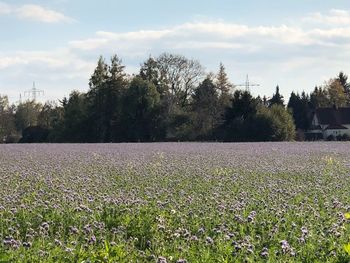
(347, 248)
(347, 216)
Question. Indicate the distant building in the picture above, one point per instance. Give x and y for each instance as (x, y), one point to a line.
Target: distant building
(329, 122)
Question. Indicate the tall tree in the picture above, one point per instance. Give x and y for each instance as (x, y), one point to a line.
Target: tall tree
(277, 98)
(336, 93)
(27, 114)
(206, 112)
(75, 126)
(274, 123)
(331, 94)
(95, 96)
(300, 108)
(50, 115)
(141, 102)
(181, 75)
(113, 96)
(319, 98)
(222, 82)
(150, 71)
(7, 121)
(343, 80)
(238, 116)
(225, 88)
(107, 85)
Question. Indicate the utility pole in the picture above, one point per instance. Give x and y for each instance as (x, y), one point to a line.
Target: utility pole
(248, 84)
(33, 93)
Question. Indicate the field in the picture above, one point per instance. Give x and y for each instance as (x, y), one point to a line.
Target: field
(175, 202)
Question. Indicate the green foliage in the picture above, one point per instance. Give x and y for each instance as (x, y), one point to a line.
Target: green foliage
(181, 75)
(222, 82)
(7, 121)
(107, 86)
(277, 123)
(34, 134)
(150, 71)
(277, 98)
(239, 117)
(318, 98)
(141, 104)
(27, 114)
(333, 93)
(249, 120)
(74, 126)
(205, 107)
(50, 115)
(336, 93)
(180, 126)
(300, 108)
(343, 80)
(167, 101)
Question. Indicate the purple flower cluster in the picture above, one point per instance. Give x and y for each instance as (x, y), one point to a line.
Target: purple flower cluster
(165, 201)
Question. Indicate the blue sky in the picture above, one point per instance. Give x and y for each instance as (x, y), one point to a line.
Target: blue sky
(295, 44)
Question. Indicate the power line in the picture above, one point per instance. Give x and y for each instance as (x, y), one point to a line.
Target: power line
(248, 84)
(34, 92)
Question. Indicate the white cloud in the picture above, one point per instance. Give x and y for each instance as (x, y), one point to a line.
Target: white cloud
(6, 62)
(41, 14)
(5, 8)
(209, 45)
(50, 64)
(34, 12)
(138, 35)
(213, 35)
(295, 56)
(89, 44)
(333, 17)
(57, 72)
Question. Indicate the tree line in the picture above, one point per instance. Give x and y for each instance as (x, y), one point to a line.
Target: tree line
(172, 98)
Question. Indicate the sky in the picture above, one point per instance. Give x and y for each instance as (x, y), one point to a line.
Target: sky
(296, 44)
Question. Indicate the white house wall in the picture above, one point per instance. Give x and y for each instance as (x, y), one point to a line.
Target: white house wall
(348, 130)
(337, 132)
(334, 133)
(315, 121)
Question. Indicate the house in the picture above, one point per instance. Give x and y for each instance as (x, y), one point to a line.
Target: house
(329, 123)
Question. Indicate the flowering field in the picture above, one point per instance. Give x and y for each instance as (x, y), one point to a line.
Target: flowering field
(180, 202)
